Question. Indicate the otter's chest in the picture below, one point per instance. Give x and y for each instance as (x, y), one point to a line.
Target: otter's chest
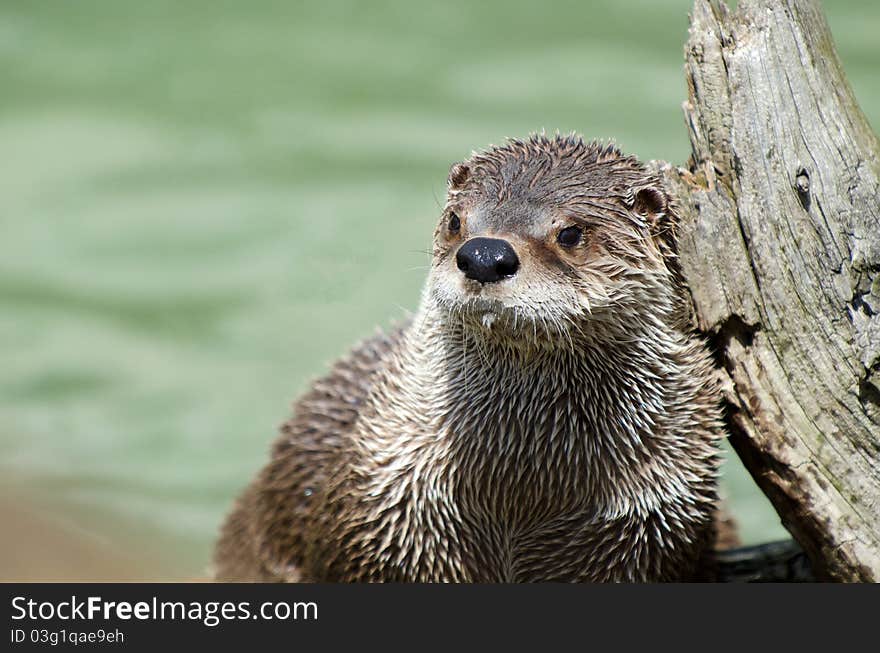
(523, 476)
(521, 453)
(538, 483)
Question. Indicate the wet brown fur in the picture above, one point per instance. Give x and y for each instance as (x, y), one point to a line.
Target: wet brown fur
(559, 425)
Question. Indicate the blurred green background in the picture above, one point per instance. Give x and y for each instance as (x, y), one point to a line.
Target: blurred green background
(202, 204)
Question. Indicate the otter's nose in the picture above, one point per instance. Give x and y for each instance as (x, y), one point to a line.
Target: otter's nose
(487, 259)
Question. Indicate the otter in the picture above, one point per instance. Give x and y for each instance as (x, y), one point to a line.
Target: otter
(546, 415)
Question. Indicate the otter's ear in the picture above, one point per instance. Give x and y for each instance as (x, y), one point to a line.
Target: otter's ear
(650, 203)
(458, 176)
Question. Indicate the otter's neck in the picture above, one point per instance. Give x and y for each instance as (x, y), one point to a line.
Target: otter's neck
(585, 419)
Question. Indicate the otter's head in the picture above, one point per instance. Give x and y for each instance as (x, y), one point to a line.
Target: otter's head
(554, 237)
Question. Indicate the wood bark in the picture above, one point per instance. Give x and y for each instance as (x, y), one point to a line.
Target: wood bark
(780, 246)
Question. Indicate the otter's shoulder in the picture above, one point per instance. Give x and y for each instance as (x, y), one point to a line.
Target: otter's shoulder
(309, 443)
(264, 537)
(338, 395)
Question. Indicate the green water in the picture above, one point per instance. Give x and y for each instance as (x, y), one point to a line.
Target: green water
(202, 204)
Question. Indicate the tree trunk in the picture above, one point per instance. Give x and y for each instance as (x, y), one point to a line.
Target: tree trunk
(780, 246)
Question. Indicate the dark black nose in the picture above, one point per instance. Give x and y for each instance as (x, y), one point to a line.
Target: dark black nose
(487, 259)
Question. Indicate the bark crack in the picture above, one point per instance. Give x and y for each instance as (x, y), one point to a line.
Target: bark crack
(734, 328)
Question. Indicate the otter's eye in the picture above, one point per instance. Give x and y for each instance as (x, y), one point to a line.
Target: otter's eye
(570, 236)
(454, 224)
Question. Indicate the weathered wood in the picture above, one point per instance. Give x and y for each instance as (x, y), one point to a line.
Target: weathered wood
(780, 246)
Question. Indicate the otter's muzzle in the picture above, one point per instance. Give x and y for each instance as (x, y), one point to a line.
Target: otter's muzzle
(487, 259)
